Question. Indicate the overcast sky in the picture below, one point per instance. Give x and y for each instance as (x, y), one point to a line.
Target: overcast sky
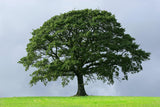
(140, 18)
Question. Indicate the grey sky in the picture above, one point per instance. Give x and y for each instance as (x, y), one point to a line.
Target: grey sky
(140, 18)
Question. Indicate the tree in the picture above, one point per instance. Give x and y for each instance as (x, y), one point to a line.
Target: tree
(82, 43)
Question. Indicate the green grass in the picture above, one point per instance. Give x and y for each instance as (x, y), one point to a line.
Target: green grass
(89, 101)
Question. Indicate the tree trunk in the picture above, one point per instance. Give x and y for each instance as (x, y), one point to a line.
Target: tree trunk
(81, 91)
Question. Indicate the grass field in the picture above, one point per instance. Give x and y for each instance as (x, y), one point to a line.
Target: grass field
(89, 101)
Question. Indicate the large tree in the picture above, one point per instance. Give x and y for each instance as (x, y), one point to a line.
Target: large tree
(82, 43)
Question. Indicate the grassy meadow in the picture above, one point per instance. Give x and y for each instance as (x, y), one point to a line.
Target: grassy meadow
(89, 101)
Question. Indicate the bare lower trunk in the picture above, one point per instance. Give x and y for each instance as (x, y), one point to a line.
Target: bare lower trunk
(81, 91)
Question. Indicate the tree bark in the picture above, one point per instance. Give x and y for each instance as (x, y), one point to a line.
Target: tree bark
(81, 90)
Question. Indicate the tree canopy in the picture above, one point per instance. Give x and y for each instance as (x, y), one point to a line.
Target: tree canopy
(82, 43)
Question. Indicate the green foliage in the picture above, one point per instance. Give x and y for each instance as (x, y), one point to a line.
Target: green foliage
(84, 42)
